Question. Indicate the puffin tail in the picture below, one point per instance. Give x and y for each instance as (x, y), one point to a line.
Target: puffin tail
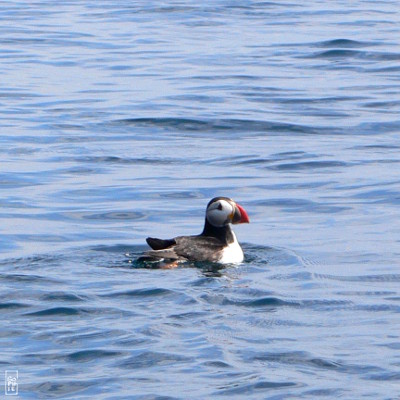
(160, 244)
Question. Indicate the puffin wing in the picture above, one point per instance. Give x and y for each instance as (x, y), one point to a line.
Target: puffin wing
(161, 249)
(199, 248)
(192, 248)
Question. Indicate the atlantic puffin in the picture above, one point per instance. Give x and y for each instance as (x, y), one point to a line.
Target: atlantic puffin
(217, 243)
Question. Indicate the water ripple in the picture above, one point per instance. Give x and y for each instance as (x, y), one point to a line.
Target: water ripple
(12, 305)
(92, 355)
(351, 54)
(150, 359)
(58, 311)
(257, 387)
(121, 120)
(344, 43)
(222, 125)
(152, 292)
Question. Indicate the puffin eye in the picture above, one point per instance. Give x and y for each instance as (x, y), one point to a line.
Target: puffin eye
(219, 206)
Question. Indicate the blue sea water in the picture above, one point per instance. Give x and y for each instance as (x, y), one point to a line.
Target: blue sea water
(120, 120)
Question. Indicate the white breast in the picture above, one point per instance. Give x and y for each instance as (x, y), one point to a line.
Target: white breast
(233, 253)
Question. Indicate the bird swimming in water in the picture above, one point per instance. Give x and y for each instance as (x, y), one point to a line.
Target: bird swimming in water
(217, 243)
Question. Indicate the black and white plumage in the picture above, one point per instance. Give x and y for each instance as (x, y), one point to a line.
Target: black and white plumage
(217, 242)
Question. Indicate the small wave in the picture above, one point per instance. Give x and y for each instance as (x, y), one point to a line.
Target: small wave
(308, 165)
(251, 388)
(384, 105)
(327, 304)
(296, 357)
(385, 376)
(152, 292)
(60, 311)
(217, 364)
(31, 278)
(63, 297)
(220, 125)
(392, 308)
(125, 160)
(148, 359)
(361, 278)
(67, 311)
(383, 147)
(12, 305)
(381, 127)
(335, 53)
(94, 354)
(267, 302)
(358, 54)
(63, 388)
(344, 43)
(16, 181)
(379, 196)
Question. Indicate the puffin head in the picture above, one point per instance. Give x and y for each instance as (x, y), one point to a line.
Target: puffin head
(222, 211)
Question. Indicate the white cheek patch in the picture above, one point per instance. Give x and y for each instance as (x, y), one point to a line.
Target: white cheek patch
(218, 217)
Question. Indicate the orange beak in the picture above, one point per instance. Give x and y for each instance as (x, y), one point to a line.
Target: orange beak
(242, 218)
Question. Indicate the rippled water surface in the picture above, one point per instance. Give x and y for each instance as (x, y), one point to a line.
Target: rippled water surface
(122, 119)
